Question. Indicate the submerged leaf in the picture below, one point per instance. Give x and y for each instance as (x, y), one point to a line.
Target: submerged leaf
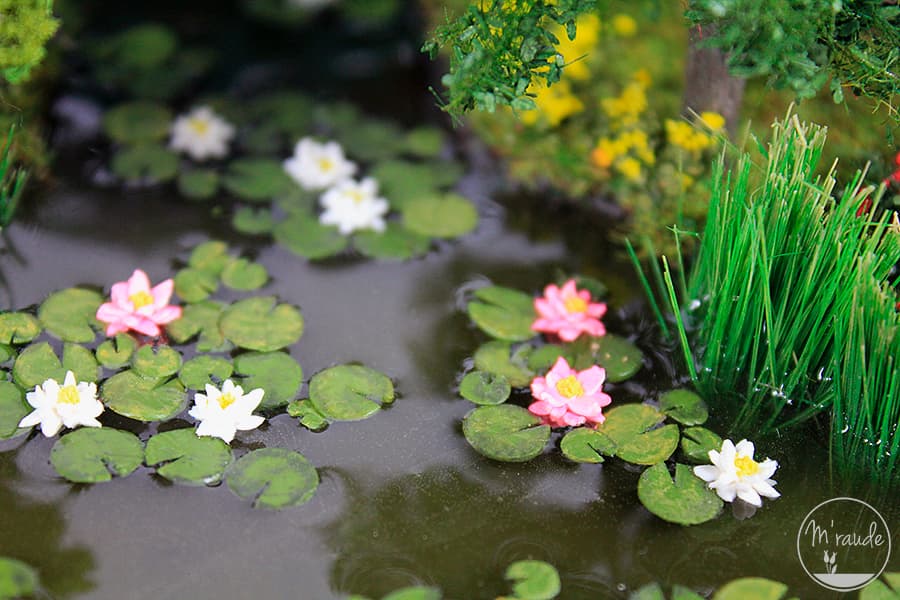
(686, 500)
(94, 454)
(350, 392)
(534, 580)
(70, 314)
(273, 478)
(505, 432)
(143, 399)
(260, 324)
(183, 457)
(503, 313)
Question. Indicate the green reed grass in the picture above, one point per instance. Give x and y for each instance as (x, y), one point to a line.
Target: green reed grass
(12, 181)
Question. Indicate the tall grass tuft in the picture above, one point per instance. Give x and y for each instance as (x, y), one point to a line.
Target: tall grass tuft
(12, 180)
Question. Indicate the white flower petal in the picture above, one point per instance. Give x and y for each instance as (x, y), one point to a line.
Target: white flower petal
(725, 492)
(764, 488)
(706, 472)
(248, 422)
(749, 495)
(31, 419)
(50, 424)
(744, 448)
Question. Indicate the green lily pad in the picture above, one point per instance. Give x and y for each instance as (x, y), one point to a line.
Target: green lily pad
(136, 397)
(684, 406)
(17, 580)
(503, 313)
(81, 362)
(416, 592)
(260, 324)
(136, 122)
(424, 142)
(273, 478)
(139, 48)
(288, 112)
(183, 457)
(878, 590)
(394, 243)
(275, 372)
(309, 416)
(202, 370)
(446, 216)
(156, 363)
(211, 257)
(306, 237)
(244, 275)
(13, 408)
(597, 288)
(146, 160)
(618, 356)
(403, 182)
(253, 221)
(350, 392)
(505, 432)
(200, 319)
(194, 285)
(297, 202)
(39, 362)
(6, 352)
(70, 314)
(371, 140)
(116, 352)
(587, 445)
(544, 357)
(654, 591)
(18, 328)
(752, 588)
(198, 184)
(631, 428)
(94, 454)
(494, 357)
(534, 580)
(686, 500)
(484, 388)
(696, 442)
(256, 179)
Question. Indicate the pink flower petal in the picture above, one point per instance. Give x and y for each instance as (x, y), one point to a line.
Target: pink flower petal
(539, 408)
(162, 292)
(592, 379)
(142, 325)
(573, 420)
(166, 315)
(138, 282)
(569, 289)
(596, 310)
(119, 293)
(110, 313)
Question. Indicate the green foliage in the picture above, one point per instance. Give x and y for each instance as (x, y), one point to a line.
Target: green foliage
(686, 500)
(534, 580)
(93, 455)
(25, 28)
(183, 457)
(350, 392)
(273, 478)
(505, 432)
(12, 180)
(17, 579)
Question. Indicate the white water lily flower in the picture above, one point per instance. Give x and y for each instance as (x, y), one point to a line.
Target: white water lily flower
(201, 134)
(733, 472)
(69, 405)
(353, 205)
(317, 166)
(222, 413)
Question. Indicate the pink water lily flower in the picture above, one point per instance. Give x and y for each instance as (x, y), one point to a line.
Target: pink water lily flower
(568, 312)
(568, 398)
(138, 307)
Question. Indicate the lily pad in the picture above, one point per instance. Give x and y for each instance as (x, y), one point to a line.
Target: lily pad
(484, 388)
(273, 478)
(684, 406)
(94, 454)
(18, 328)
(6, 352)
(632, 429)
(17, 580)
(211, 257)
(696, 442)
(81, 362)
(587, 445)
(654, 591)
(371, 140)
(13, 408)
(534, 580)
(38, 362)
(286, 112)
(446, 216)
(70, 314)
(751, 588)
(183, 457)
(505, 432)
(404, 182)
(686, 500)
(116, 352)
(256, 179)
(194, 285)
(544, 357)
(198, 184)
(306, 237)
(136, 397)
(494, 357)
(618, 356)
(309, 415)
(417, 592)
(136, 122)
(253, 222)
(156, 363)
(204, 369)
(878, 590)
(260, 324)
(503, 313)
(394, 243)
(425, 142)
(146, 160)
(201, 318)
(350, 392)
(275, 372)
(244, 275)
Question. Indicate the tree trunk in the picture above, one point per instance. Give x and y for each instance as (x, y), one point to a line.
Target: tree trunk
(708, 85)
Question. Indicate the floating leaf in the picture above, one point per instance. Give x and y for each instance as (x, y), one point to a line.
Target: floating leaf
(80, 361)
(258, 324)
(403, 182)
(298, 201)
(6, 352)
(156, 363)
(597, 288)
(309, 416)
(877, 590)
(686, 500)
(256, 179)
(534, 580)
(135, 122)
(211, 257)
(586, 445)
(751, 588)
(136, 397)
(425, 142)
(145, 161)
(684, 406)
(202, 370)
(19, 328)
(201, 318)
(244, 275)
(39, 362)
(69, 314)
(198, 184)
(194, 285)
(446, 216)
(350, 392)
(371, 140)
(653, 591)
(13, 408)
(494, 357)
(286, 112)
(17, 580)
(304, 236)
(484, 388)
(618, 356)
(273, 478)
(253, 222)
(116, 352)
(94, 454)
(394, 243)
(417, 592)
(696, 442)
(503, 313)
(505, 432)
(543, 358)
(183, 457)
(632, 429)
(275, 372)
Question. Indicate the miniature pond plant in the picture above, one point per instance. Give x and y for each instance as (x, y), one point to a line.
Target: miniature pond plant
(230, 359)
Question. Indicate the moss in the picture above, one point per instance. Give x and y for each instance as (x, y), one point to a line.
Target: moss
(25, 27)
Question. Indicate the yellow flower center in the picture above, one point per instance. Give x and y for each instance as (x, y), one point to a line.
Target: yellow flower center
(68, 395)
(226, 400)
(746, 466)
(140, 299)
(569, 387)
(199, 126)
(575, 304)
(357, 197)
(326, 164)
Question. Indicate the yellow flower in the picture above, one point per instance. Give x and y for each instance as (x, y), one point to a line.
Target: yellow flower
(628, 106)
(601, 157)
(713, 120)
(576, 52)
(630, 168)
(642, 76)
(554, 103)
(624, 25)
(684, 136)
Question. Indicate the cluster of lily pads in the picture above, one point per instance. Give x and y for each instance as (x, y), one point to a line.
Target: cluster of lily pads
(565, 369)
(156, 354)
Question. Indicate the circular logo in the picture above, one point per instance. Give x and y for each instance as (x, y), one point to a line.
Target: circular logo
(843, 544)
